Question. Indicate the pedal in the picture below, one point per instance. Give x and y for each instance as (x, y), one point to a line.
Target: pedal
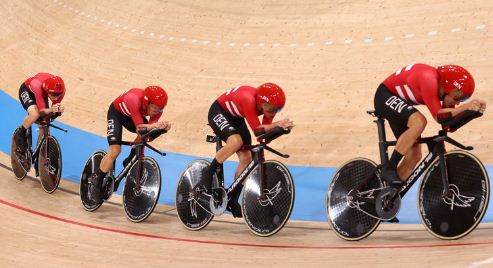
(108, 186)
(218, 206)
(388, 203)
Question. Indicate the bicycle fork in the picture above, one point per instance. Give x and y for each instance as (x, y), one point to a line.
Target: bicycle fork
(258, 157)
(440, 148)
(138, 153)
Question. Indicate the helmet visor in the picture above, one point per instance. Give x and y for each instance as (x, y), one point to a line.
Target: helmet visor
(155, 108)
(271, 108)
(56, 96)
(458, 95)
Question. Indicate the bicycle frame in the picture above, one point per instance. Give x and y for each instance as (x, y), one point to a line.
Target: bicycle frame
(44, 126)
(436, 148)
(258, 159)
(139, 155)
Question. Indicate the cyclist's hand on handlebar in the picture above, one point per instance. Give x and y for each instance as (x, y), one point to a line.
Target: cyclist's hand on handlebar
(163, 125)
(286, 123)
(57, 108)
(483, 106)
(476, 105)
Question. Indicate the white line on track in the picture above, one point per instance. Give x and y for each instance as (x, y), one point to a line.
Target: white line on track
(347, 41)
(480, 263)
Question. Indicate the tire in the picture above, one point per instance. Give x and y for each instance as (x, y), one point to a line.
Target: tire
(191, 212)
(20, 164)
(265, 218)
(140, 205)
(50, 164)
(91, 166)
(453, 218)
(350, 223)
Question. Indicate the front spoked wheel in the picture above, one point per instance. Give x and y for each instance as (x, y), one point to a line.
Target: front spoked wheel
(50, 164)
(139, 202)
(91, 166)
(457, 214)
(21, 162)
(349, 218)
(266, 215)
(193, 208)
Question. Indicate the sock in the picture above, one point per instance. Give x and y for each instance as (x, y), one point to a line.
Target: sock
(394, 160)
(101, 176)
(22, 131)
(214, 165)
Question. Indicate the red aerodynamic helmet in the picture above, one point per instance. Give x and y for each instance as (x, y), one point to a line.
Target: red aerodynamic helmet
(272, 94)
(54, 85)
(155, 95)
(456, 77)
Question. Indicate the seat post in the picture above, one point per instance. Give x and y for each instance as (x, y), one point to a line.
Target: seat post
(219, 143)
(382, 141)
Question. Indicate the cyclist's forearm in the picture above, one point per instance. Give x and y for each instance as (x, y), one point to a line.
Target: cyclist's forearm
(45, 112)
(147, 127)
(445, 114)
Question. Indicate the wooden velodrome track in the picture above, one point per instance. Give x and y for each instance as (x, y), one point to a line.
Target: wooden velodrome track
(329, 56)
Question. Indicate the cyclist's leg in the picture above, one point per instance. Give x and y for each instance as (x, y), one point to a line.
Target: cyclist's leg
(411, 159)
(405, 142)
(115, 124)
(114, 137)
(130, 126)
(225, 127)
(28, 102)
(407, 124)
(108, 160)
(245, 157)
(415, 126)
(31, 117)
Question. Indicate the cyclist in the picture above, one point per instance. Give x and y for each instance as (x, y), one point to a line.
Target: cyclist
(33, 95)
(227, 119)
(441, 89)
(129, 110)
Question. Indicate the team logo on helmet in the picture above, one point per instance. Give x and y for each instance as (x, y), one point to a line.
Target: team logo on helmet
(54, 85)
(272, 94)
(454, 77)
(155, 95)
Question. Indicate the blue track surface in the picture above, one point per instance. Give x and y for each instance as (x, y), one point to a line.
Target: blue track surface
(310, 182)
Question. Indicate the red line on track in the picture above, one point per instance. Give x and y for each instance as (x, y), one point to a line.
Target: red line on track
(234, 244)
